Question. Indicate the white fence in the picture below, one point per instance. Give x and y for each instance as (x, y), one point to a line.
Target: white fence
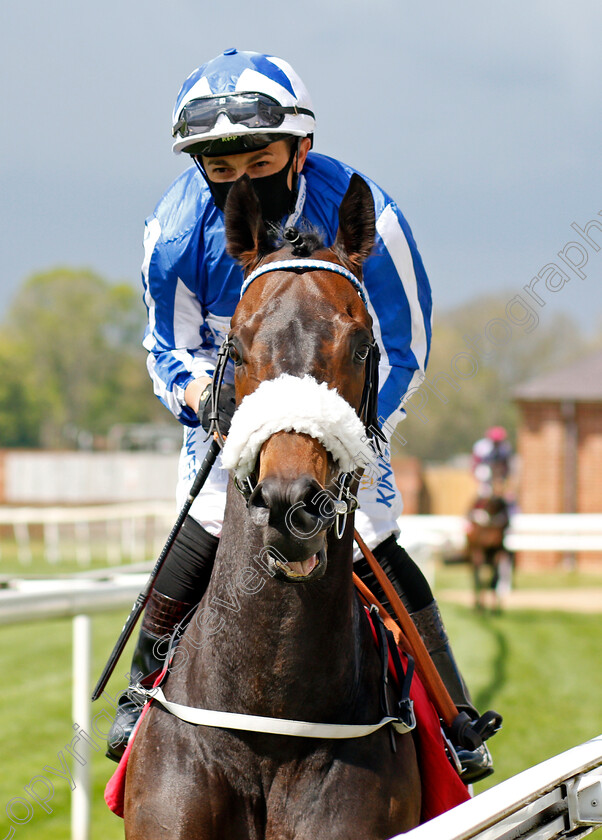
(32, 601)
(136, 531)
(561, 797)
(527, 532)
(39, 477)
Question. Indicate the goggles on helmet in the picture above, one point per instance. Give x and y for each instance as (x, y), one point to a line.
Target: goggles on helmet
(253, 110)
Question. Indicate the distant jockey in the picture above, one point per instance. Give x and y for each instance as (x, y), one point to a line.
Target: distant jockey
(491, 460)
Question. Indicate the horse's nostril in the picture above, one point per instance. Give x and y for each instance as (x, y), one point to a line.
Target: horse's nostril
(259, 508)
(302, 506)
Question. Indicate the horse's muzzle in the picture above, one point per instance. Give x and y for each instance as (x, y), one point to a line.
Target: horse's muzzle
(294, 515)
(302, 506)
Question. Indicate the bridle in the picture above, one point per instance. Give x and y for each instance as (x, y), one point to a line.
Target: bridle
(301, 266)
(345, 503)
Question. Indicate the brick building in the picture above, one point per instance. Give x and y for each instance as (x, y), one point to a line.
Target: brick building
(560, 443)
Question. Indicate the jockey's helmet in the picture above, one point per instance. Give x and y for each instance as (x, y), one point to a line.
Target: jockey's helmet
(496, 434)
(239, 102)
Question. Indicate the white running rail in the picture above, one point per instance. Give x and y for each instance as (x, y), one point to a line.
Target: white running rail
(561, 797)
(137, 530)
(527, 532)
(29, 601)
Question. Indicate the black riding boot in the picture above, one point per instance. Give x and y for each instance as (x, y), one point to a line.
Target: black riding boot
(418, 599)
(476, 763)
(179, 587)
(161, 616)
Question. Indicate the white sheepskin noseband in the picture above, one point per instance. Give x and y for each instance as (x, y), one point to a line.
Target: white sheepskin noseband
(287, 404)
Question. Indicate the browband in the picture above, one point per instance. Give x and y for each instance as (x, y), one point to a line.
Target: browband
(304, 265)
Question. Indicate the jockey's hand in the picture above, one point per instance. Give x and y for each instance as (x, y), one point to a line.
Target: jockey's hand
(226, 408)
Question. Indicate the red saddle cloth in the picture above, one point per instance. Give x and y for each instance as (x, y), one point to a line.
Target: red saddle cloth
(115, 788)
(442, 788)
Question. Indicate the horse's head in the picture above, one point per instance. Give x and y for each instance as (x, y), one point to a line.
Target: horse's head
(302, 345)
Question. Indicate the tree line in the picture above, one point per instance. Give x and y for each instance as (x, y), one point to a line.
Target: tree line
(72, 362)
(471, 380)
(73, 367)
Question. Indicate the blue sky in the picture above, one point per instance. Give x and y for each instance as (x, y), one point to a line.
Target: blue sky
(483, 121)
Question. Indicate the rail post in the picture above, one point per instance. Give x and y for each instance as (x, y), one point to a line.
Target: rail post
(81, 797)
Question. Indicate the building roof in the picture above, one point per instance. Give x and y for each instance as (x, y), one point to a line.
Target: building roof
(580, 381)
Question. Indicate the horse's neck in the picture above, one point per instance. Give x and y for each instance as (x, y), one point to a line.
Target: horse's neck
(264, 645)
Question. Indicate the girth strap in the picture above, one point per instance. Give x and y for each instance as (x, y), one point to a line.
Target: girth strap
(268, 725)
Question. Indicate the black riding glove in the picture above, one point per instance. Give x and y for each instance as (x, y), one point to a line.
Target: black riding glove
(226, 407)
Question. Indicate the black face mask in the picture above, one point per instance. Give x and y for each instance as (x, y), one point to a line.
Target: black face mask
(275, 196)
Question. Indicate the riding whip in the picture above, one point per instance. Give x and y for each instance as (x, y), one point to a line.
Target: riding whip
(142, 599)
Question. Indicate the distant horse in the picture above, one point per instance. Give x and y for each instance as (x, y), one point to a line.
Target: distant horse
(280, 632)
(488, 521)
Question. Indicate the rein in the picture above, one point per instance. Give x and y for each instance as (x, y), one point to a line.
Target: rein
(432, 681)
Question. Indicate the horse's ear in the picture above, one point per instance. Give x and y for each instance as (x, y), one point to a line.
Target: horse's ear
(355, 236)
(246, 236)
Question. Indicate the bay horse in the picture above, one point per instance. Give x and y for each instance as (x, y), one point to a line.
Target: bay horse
(488, 520)
(280, 631)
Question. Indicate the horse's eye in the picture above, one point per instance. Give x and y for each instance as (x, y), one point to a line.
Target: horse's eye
(361, 354)
(234, 354)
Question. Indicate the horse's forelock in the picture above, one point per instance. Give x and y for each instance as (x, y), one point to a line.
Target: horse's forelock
(303, 241)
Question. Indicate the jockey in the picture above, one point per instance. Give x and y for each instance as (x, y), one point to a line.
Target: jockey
(491, 459)
(244, 112)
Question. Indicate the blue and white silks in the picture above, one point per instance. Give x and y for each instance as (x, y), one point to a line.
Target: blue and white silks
(192, 287)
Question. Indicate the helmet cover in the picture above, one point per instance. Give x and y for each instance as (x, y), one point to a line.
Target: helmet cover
(235, 72)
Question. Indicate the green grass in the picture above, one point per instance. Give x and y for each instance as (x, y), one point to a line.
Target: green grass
(35, 721)
(539, 669)
(459, 576)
